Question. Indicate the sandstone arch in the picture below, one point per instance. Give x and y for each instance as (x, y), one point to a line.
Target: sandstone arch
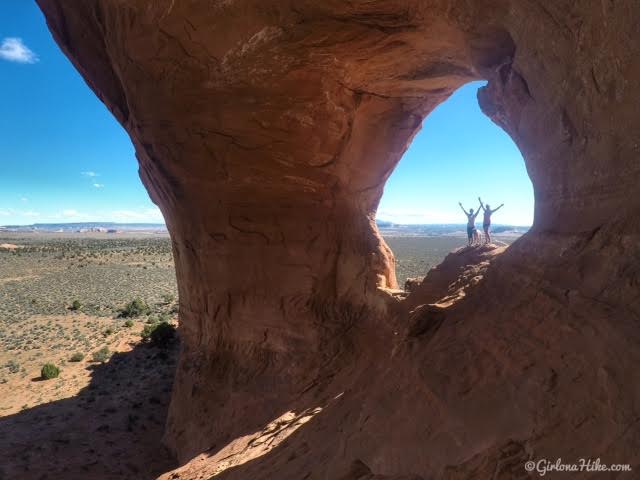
(265, 132)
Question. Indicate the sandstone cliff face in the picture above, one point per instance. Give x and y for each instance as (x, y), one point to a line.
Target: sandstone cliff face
(265, 131)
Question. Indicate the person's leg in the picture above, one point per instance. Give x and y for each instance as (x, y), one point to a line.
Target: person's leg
(487, 234)
(469, 235)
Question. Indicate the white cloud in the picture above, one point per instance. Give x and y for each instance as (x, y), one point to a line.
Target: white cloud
(14, 50)
(416, 216)
(12, 212)
(93, 176)
(135, 215)
(67, 215)
(24, 199)
(410, 216)
(72, 213)
(140, 215)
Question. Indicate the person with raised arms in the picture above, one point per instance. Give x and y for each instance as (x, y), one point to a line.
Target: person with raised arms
(486, 222)
(471, 222)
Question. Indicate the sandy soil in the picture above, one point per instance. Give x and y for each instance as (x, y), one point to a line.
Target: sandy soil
(95, 421)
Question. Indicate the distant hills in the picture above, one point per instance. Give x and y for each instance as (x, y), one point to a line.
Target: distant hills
(386, 228)
(443, 229)
(86, 227)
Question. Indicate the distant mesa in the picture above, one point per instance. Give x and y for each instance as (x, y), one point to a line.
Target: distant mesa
(90, 227)
(391, 229)
(386, 227)
(384, 224)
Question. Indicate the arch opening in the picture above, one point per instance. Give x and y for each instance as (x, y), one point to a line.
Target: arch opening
(458, 155)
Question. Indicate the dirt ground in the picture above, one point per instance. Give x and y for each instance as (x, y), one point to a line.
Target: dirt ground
(95, 421)
(101, 418)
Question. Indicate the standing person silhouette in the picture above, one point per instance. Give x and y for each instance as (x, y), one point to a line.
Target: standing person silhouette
(486, 223)
(471, 222)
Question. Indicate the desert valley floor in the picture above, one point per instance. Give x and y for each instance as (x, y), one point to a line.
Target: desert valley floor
(67, 299)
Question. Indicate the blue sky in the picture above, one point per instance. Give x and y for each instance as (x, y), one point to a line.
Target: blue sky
(457, 156)
(64, 158)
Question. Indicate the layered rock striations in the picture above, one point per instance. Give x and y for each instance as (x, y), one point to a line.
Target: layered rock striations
(265, 132)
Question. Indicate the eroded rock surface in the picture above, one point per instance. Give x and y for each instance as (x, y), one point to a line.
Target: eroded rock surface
(265, 131)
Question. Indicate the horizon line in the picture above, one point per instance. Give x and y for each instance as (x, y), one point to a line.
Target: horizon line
(81, 223)
(391, 223)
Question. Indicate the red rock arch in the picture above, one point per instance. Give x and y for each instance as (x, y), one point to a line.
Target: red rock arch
(265, 133)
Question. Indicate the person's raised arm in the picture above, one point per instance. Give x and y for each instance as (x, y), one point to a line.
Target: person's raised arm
(498, 207)
(460, 203)
(481, 205)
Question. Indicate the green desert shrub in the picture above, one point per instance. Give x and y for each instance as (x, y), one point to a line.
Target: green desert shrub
(168, 298)
(135, 308)
(101, 355)
(128, 323)
(49, 370)
(76, 305)
(159, 334)
(147, 330)
(158, 318)
(77, 357)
